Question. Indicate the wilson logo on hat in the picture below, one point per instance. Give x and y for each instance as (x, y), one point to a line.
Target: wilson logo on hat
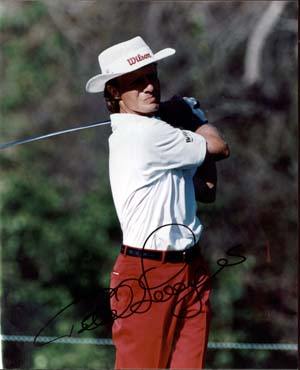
(138, 58)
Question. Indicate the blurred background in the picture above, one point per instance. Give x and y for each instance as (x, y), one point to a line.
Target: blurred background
(59, 231)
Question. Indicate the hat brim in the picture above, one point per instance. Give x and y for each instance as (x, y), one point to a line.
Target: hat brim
(97, 83)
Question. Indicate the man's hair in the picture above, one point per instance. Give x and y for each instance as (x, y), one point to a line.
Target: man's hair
(112, 102)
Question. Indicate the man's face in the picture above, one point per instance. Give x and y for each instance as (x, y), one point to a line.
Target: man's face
(140, 91)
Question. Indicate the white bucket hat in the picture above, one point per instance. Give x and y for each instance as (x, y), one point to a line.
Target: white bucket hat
(123, 58)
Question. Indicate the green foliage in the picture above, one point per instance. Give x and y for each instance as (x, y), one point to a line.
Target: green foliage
(27, 80)
(97, 357)
(20, 21)
(54, 251)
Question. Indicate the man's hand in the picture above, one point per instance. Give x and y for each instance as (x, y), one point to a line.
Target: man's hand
(183, 113)
(194, 104)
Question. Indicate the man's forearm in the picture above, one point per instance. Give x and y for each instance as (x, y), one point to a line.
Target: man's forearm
(216, 146)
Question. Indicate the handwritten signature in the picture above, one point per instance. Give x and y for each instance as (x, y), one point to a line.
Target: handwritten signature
(151, 295)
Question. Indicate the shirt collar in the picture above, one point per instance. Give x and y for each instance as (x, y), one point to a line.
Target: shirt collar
(124, 119)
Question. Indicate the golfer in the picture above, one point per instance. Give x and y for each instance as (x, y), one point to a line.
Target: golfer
(159, 283)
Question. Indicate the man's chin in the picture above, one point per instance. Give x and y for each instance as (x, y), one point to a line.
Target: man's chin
(155, 107)
(150, 110)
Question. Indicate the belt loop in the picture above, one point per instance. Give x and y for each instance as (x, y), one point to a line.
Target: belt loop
(125, 250)
(164, 254)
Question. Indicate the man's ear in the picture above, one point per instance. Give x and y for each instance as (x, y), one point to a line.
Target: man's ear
(114, 92)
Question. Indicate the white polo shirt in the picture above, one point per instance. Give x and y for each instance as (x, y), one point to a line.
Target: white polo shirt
(151, 168)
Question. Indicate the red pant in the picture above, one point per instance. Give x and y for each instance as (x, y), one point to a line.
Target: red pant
(161, 316)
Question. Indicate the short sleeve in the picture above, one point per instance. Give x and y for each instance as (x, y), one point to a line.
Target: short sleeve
(172, 148)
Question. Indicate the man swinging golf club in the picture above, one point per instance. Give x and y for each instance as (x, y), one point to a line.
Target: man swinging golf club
(159, 283)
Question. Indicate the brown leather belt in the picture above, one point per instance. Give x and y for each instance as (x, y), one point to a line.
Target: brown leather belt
(185, 255)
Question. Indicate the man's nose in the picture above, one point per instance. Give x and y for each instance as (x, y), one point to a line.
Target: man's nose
(149, 86)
